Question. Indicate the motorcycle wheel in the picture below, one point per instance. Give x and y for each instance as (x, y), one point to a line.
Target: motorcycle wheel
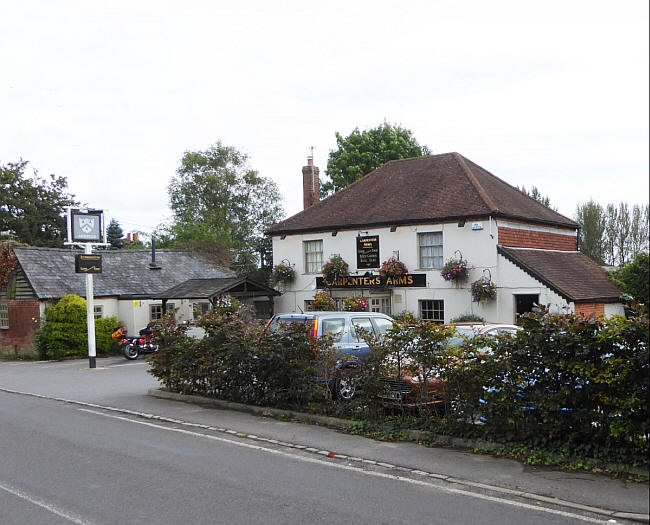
(130, 351)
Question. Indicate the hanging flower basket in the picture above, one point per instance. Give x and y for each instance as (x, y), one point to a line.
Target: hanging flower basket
(226, 305)
(393, 267)
(323, 302)
(283, 273)
(335, 268)
(355, 304)
(483, 290)
(455, 270)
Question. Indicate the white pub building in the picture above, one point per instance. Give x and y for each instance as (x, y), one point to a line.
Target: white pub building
(425, 211)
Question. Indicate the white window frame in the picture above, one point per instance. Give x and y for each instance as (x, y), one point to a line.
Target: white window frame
(432, 312)
(158, 307)
(380, 304)
(313, 255)
(4, 316)
(437, 259)
(98, 311)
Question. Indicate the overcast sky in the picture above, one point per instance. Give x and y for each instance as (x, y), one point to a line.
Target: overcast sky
(550, 93)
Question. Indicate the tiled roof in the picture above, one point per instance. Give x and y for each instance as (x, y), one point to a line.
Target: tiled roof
(209, 288)
(572, 275)
(125, 273)
(421, 190)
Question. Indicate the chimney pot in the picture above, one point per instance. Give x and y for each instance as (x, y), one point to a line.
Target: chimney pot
(310, 184)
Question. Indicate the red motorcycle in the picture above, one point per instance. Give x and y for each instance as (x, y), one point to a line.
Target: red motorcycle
(133, 346)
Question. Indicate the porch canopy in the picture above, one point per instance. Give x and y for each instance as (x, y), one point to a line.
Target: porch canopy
(211, 289)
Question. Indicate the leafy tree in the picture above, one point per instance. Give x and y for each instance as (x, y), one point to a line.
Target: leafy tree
(610, 234)
(534, 193)
(639, 229)
(633, 278)
(613, 234)
(362, 151)
(223, 205)
(115, 235)
(623, 231)
(31, 207)
(591, 218)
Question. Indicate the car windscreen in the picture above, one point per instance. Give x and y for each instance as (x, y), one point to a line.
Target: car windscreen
(465, 332)
(289, 320)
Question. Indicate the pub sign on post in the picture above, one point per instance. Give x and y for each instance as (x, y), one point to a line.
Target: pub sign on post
(368, 252)
(86, 226)
(87, 263)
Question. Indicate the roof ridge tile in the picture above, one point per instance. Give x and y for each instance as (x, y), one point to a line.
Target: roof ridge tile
(474, 181)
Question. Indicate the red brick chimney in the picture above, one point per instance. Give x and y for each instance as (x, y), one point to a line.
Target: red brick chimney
(310, 184)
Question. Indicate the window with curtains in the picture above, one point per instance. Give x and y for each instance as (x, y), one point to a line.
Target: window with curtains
(313, 256)
(430, 250)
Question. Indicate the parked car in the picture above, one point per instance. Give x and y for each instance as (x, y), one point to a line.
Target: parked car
(407, 390)
(346, 330)
(468, 331)
(341, 327)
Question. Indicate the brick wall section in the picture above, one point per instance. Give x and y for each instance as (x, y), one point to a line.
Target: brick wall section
(588, 309)
(533, 239)
(19, 337)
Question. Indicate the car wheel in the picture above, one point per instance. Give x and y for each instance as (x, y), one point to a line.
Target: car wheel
(346, 388)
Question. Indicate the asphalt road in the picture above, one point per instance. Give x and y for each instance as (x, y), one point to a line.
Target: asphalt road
(78, 462)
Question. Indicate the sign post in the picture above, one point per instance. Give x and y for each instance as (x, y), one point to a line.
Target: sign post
(90, 314)
(87, 228)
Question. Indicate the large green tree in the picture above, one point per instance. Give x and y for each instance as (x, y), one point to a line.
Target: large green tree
(32, 208)
(221, 205)
(591, 218)
(613, 234)
(634, 278)
(362, 151)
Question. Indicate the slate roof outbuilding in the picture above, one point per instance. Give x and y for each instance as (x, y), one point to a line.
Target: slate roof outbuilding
(125, 273)
(434, 188)
(209, 288)
(572, 275)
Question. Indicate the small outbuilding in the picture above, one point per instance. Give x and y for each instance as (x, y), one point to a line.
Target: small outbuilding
(133, 287)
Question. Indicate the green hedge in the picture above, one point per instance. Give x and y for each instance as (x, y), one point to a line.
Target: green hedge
(230, 363)
(562, 383)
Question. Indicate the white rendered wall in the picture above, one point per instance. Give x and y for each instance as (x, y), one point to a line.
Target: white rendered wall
(614, 309)
(109, 306)
(476, 246)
